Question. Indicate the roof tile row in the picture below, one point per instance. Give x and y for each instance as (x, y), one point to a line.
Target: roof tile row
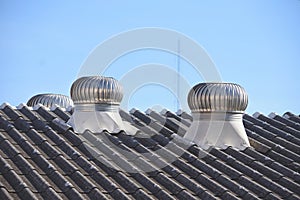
(41, 157)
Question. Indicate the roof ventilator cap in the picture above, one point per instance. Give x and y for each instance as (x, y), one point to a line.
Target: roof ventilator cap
(50, 100)
(217, 110)
(96, 105)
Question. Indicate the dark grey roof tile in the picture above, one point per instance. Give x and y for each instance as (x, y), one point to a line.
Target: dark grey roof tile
(276, 142)
(147, 143)
(247, 124)
(228, 196)
(138, 114)
(292, 117)
(167, 123)
(125, 182)
(22, 125)
(293, 197)
(266, 171)
(140, 194)
(203, 167)
(263, 132)
(3, 137)
(95, 193)
(66, 166)
(73, 138)
(258, 156)
(190, 184)
(183, 194)
(271, 121)
(22, 164)
(167, 183)
(260, 191)
(287, 153)
(31, 115)
(38, 181)
(208, 158)
(152, 123)
(213, 186)
(72, 193)
(128, 140)
(207, 195)
(254, 120)
(16, 136)
(291, 145)
(44, 164)
(290, 184)
(282, 130)
(169, 114)
(285, 171)
(280, 158)
(185, 115)
(196, 151)
(11, 113)
(274, 187)
(245, 169)
(188, 157)
(15, 180)
(187, 169)
(65, 116)
(222, 155)
(40, 125)
(147, 183)
(69, 150)
(172, 171)
(160, 139)
(286, 121)
(239, 155)
(107, 184)
(61, 181)
(31, 151)
(36, 137)
(26, 193)
(9, 149)
(229, 171)
(119, 194)
(161, 129)
(259, 138)
(87, 166)
(59, 125)
(48, 116)
(4, 194)
(83, 182)
(5, 167)
(272, 196)
(55, 137)
(50, 150)
(231, 185)
(4, 124)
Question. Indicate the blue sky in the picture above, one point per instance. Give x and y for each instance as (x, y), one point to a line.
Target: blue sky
(254, 43)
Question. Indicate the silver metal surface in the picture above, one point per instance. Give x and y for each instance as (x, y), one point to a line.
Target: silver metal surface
(217, 97)
(50, 100)
(96, 90)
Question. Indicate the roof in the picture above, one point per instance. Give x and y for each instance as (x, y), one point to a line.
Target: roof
(41, 157)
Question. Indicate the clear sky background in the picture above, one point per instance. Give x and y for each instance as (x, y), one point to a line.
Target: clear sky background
(254, 43)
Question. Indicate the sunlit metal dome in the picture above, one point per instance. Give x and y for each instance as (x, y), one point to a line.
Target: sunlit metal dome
(96, 106)
(217, 111)
(217, 97)
(50, 100)
(96, 90)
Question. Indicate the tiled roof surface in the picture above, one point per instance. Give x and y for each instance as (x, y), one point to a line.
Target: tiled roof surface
(42, 158)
